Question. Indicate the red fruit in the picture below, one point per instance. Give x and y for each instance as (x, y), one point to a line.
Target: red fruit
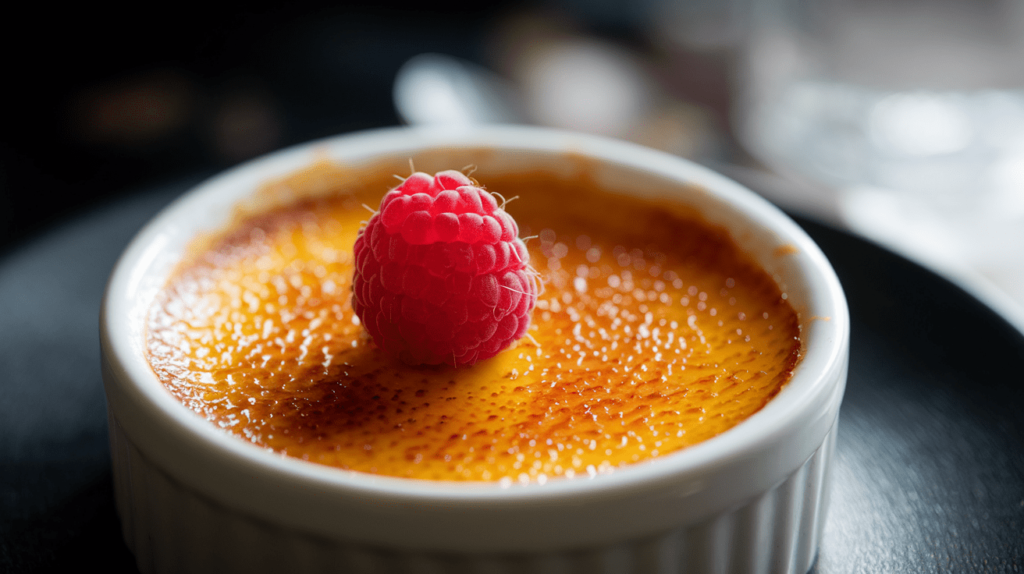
(441, 275)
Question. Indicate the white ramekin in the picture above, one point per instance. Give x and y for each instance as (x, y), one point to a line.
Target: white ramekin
(193, 498)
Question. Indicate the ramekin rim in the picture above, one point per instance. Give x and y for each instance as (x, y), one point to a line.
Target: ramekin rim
(775, 418)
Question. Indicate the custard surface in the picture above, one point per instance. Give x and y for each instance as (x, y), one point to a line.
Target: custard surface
(652, 334)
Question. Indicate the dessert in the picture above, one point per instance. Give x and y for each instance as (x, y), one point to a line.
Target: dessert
(653, 333)
(193, 496)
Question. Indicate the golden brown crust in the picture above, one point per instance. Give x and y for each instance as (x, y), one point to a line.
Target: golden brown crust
(653, 333)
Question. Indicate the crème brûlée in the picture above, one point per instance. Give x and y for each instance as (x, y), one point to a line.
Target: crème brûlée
(652, 333)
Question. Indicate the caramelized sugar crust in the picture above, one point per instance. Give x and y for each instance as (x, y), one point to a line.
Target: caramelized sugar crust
(652, 334)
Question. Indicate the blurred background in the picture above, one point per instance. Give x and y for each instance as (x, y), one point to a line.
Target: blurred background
(900, 120)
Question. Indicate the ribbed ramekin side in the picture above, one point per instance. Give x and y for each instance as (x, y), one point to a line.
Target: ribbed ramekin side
(777, 531)
(171, 528)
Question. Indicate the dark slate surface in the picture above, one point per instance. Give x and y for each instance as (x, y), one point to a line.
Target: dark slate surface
(930, 468)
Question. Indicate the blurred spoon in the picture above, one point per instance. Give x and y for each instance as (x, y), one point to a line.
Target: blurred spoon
(433, 89)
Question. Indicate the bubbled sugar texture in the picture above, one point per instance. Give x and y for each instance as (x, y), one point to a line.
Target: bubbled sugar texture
(441, 275)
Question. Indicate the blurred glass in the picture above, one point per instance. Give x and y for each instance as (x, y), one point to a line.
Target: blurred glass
(910, 111)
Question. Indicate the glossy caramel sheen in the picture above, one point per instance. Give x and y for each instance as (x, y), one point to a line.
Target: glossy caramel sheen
(652, 334)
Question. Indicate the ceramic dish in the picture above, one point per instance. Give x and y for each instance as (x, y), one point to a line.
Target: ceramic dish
(194, 498)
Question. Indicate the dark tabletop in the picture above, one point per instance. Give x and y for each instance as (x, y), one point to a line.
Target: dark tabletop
(929, 475)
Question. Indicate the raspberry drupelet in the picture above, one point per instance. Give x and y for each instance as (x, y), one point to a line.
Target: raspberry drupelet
(441, 275)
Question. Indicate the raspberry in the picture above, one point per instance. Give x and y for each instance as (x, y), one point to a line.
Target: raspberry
(441, 275)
